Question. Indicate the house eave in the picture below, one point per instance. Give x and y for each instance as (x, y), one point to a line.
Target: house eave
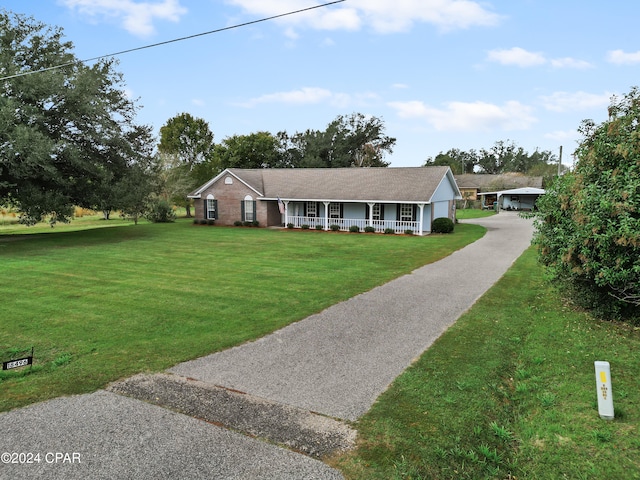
(350, 200)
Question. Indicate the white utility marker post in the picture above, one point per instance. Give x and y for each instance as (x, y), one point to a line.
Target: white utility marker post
(604, 391)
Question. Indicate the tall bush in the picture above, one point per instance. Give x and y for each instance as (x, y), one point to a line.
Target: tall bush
(588, 223)
(161, 212)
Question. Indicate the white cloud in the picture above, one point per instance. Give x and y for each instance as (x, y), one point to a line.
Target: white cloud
(469, 117)
(517, 56)
(569, 62)
(562, 135)
(382, 16)
(522, 58)
(400, 15)
(311, 96)
(574, 101)
(620, 57)
(136, 17)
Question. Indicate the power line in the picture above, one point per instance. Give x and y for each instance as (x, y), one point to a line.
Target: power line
(172, 41)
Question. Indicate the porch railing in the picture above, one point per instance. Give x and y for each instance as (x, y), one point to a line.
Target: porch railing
(345, 223)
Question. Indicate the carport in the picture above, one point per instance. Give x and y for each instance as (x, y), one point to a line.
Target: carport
(515, 199)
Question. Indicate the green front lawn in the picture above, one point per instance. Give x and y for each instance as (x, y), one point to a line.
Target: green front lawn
(463, 214)
(105, 303)
(509, 392)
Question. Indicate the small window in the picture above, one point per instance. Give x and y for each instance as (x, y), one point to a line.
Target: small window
(228, 181)
(249, 208)
(212, 204)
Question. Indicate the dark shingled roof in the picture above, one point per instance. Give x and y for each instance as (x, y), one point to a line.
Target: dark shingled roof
(397, 184)
(482, 181)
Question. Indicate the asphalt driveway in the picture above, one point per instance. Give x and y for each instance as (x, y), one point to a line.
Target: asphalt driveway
(293, 388)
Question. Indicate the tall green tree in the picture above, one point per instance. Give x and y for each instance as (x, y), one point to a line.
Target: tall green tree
(256, 150)
(190, 141)
(65, 133)
(354, 140)
(588, 223)
(458, 160)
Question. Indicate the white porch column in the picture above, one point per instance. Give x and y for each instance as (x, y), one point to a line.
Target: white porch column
(371, 213)
(326, 215)
(421, 227)
(286, 212)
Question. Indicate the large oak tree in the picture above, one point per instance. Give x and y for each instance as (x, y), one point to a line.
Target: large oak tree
(67, 131)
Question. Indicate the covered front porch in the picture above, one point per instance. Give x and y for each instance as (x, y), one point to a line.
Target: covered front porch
(346, 223)
(382, 217)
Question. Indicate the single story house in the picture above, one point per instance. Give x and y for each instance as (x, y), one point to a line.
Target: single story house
(513, 199)
(407, 198)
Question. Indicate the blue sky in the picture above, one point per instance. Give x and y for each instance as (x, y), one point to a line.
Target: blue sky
(441, 73)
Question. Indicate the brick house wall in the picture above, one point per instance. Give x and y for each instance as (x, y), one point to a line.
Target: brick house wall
(230, 192)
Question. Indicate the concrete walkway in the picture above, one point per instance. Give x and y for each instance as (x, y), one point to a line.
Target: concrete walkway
(293, 387)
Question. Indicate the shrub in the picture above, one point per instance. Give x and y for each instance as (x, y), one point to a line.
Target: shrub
(203, 222)
(255, 223)
(211, 221)
(408, 232)
(354, 228)
(247, 223)
(369, 229)
(161, 212)
(389, 231)
(237, 223)
(304, 226)
(588, 222)
(334, 227)
(318, 227)
(289, 225)
(442, 225)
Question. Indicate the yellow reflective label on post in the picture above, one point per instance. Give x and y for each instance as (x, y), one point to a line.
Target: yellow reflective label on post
(603, 377)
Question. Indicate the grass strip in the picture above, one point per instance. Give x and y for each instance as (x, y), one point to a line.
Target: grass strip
(509, 392)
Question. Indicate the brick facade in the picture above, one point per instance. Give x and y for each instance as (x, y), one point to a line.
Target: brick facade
(229, 192)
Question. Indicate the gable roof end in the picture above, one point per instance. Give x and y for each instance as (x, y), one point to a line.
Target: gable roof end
(256, 186)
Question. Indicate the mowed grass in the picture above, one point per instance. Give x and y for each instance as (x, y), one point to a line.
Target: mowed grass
(467, 213)
(105, 303)
(509, 391)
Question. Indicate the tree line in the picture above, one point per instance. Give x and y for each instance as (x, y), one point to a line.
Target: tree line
(501, 157)
(190, 156)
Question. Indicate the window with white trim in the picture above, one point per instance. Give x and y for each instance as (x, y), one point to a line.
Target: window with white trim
(334, 210)
(212, 205)
(406, 212)
(312, 209)
(376, 211)
(249, 209)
